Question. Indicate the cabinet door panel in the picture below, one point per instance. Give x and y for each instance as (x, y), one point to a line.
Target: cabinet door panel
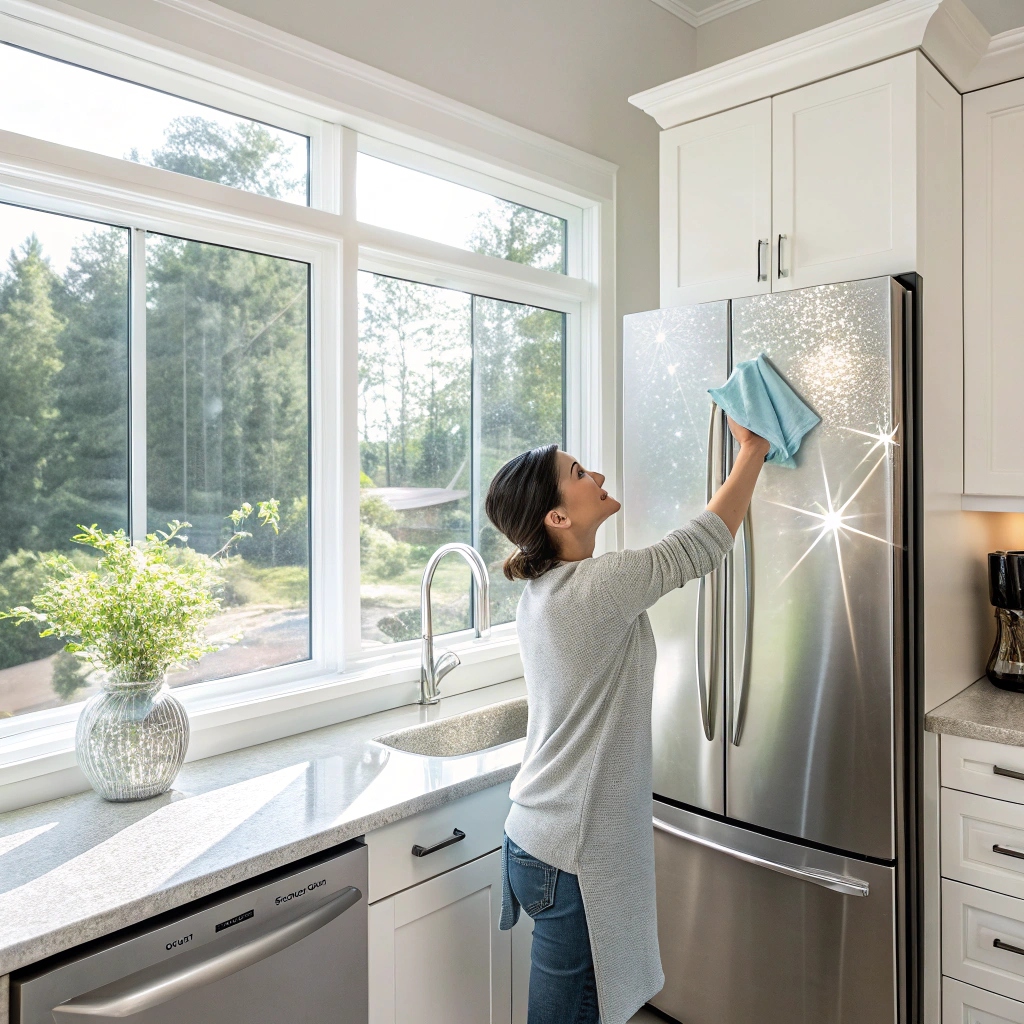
(843, 172)
(715, 206)
(436, 953)
(994, 291)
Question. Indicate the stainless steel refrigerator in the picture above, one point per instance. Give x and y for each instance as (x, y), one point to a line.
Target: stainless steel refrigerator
(784, 777)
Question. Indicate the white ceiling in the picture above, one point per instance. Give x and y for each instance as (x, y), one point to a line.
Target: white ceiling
(996, 15)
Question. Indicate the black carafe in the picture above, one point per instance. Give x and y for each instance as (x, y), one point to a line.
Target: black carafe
(1006, 591)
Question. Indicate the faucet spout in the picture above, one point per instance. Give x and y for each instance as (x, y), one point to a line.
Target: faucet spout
(431, 671)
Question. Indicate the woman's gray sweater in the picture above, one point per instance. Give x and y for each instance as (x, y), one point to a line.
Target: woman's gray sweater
(582, 800)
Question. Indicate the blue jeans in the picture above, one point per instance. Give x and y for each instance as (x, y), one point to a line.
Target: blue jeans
(562, 986)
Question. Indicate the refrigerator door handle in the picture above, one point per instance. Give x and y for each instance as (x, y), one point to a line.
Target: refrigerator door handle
(738, 692)
(703, 693)
(844, 884)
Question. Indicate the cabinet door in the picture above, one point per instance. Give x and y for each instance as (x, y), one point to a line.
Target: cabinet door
(435, 952)
(994, 291)
(716, 177)
(843, 176)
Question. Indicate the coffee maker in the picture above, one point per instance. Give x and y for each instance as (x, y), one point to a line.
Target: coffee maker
(1006, 591)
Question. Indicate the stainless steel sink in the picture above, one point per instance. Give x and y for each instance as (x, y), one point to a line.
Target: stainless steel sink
(463, 734)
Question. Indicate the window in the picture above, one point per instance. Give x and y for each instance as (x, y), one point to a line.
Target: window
(170, 350)
(227, 410)
(63, 421)
(451, 386)
(122, 119)
(403, 199)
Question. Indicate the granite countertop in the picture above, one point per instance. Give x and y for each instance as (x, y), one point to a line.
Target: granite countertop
(981, 712)
(78, 868)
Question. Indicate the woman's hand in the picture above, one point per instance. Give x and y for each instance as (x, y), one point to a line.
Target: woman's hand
(732, 499)
(748, 439)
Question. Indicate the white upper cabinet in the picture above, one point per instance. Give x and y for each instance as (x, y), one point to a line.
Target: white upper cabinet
(812, 186)
(716, 224)
(844, 176)
(994, 293)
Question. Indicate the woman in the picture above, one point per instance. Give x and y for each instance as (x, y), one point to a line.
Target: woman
(579, 847)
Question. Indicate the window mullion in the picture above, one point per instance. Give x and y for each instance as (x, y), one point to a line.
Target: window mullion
(137, 492)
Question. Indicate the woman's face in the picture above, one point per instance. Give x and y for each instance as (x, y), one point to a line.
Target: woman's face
(585, 502)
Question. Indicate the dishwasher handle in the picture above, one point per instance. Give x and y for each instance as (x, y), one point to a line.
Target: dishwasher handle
(168, 980)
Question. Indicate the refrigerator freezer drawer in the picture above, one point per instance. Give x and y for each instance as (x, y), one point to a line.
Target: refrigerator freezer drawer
(983, 842)
(983, 938)
(965, 1004)
(758, 929)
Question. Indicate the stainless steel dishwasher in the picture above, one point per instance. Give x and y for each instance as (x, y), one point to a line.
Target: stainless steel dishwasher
(288, 947)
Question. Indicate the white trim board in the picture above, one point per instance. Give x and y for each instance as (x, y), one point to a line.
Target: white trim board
(696, 18)
(945, 30)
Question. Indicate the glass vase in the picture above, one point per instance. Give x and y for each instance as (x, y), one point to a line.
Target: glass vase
(131, 740)
(1006, 663)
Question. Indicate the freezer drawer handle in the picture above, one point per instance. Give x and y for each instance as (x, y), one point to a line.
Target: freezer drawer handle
(424, 851)
(1007, 852)
(168, 980)
(999, 944)
(837, 883)
(1008, 772)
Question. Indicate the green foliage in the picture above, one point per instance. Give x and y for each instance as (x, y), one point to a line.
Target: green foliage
(22, 575)
(523, 236)
(30, 360)
(70, 674)
(246, 156)
(381, 557)
(142, 609)
(375, 511)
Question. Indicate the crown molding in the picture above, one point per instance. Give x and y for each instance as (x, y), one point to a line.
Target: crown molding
(851, 42)
(1003, 61)
(695, 19)
(947, 31)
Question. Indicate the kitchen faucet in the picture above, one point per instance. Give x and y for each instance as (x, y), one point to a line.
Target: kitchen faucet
(432, 672)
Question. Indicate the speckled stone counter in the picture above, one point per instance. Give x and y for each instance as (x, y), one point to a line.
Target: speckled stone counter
(78, 868)
(981, 712)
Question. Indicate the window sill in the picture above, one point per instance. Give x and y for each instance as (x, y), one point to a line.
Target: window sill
(39, 764)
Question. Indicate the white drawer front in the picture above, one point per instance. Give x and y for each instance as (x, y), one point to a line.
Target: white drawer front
(973, 921)
(965, 1004)
(971, 765)
(983, 842)
(392, 864)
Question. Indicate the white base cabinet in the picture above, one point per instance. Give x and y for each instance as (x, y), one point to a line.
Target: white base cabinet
(436, 953)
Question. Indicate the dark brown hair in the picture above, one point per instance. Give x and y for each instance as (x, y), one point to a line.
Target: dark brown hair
(521, 494)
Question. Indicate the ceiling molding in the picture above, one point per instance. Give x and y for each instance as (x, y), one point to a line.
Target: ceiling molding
(694, 18)
(947, 31)
(1003, 61)
(863, 38)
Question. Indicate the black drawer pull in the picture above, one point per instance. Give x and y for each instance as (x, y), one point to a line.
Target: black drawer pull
(1008, 772)
(456, 837)
(999, 944)
(1007, 852)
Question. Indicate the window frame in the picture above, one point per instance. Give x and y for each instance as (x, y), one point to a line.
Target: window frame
(342, 679)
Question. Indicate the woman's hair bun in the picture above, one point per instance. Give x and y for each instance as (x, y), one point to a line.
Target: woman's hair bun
(521, 494)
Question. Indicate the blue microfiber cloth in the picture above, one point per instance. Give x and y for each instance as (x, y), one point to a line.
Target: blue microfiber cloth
(757, 398)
